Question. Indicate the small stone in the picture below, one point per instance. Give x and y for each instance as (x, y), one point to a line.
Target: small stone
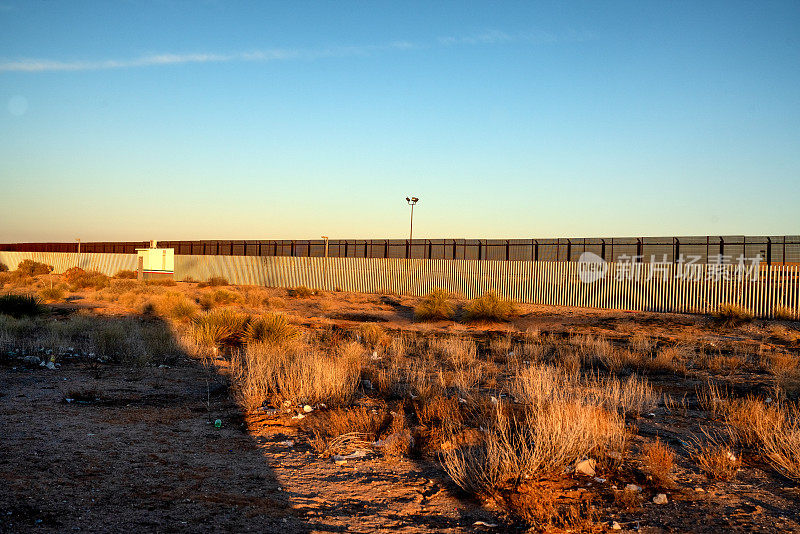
(698, 489)
(298, 416)
(585, 467)
(308, 409)
(661, 498)
(340, 462)
(616, 526)
(633, 487)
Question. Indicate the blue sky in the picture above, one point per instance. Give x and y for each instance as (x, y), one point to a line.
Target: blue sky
(190, 120)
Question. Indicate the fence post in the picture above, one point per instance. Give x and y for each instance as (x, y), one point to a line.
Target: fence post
(508, 250)
(769, 252)
(569, 250)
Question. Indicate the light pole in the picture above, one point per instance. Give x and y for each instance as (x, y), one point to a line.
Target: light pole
(325, 264)
(412, 202)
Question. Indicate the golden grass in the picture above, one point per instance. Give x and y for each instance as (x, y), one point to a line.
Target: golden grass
(659, 460)
(732, 314)
(436, 305)
(126, 274)
(715, 457)
(489, 307)
(272, 328)
(220, 327)
(297, 373)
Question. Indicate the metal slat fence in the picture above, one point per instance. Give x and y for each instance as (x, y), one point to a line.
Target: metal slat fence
(626, 286)
(773, 249)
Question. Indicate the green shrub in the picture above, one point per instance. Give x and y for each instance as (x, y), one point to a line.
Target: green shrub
(125, 273)
(489, 307)
(20, 305)
(270, 328)
(435, 305)
(220, 327)
(33, 268)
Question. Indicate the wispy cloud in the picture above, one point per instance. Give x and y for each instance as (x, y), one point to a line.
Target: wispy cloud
(275, 54)
(492, 37)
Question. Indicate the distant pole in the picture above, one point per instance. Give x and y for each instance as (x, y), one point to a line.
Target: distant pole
(325, 263)
(412, 202)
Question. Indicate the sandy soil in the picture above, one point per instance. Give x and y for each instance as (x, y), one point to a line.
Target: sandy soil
(136, 448)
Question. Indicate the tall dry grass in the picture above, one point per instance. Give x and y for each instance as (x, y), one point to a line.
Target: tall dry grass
(295, 372)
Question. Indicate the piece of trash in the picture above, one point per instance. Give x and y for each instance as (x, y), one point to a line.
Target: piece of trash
(633, 487)
(599, 480)
(340, 462)
(616, 526)
(287, 443)
(298, 416)
(68, 400)
(218, 423)
(484, 524)
(308, 409)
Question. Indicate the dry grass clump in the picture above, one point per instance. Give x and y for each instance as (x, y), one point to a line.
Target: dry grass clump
(642, 343)
(536, 384)
(220, 327)
(126, 274)
(3, 267)
(372, 335)
(219, 297)
(489, 307)
(20, 305)
(342, 430)
(175, 306)
(80, 279)
(669, 360)
(540, 441)
(52, 294)
(296, 373)
(659, 460)
(214, 281)
(272, 328)
(32, 268)
(436, 305)
(783, 313)
(715, 457)
(166, 282)
(732, 314)
(302, 292)
(130, 340)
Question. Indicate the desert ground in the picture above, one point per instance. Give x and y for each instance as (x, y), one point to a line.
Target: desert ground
(200, 406)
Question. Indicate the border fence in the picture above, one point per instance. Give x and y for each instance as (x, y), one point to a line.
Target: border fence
(624, 286)
(773, 250)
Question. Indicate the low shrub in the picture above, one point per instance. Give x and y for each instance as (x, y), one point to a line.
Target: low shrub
(715, 457)
(295, 373)
(732, 315)
(302, 292)
(33, 268)
(167, 282)
(783, 313)
(20, 305)
(272, 328)
(80, 279)
(434, 306)
(214, 281)
(220, 327)
(219, 297)
(175, 306)
(659, 461)
(372, 335)
(489, 307)
(3, 267)
(51, 294)
(126, 274)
